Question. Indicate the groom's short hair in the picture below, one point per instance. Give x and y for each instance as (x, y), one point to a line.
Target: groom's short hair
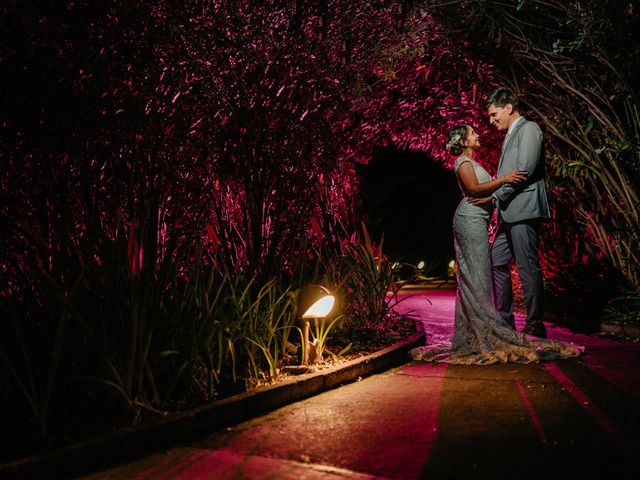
(501, 97)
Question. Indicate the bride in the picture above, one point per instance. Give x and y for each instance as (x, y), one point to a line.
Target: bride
(481, 335)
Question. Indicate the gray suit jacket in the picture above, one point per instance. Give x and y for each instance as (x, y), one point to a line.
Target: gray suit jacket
(523, 151)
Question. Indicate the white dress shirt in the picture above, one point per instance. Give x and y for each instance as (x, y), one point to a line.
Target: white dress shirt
(511, 127)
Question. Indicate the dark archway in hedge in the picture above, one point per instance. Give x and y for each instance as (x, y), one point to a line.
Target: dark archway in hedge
(410, 198)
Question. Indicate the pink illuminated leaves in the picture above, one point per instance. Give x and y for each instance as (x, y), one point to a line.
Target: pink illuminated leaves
(135, 249)
(212, 111)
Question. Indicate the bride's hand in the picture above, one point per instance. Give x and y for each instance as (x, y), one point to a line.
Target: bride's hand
(514, 177)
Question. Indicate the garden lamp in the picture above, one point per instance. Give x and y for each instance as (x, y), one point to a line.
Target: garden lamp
(314, 302)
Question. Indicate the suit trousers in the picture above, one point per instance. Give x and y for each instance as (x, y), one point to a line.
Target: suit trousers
(519, 240)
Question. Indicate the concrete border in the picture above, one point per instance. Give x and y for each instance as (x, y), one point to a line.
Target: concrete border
(129, 443)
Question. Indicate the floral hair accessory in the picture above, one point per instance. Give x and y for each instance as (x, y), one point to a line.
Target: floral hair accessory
(455, 140)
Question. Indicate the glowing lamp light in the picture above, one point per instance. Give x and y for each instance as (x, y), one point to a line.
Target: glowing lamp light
(421, 264)
(314, 302)
(452, 264)
(321, 308)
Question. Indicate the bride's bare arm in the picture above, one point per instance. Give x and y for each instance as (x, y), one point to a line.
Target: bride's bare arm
(475, 189)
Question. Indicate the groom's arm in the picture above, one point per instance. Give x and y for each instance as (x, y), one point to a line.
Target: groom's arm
(527, 161)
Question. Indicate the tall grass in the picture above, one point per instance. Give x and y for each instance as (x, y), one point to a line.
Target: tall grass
(161, 342)
(36, 381)
(365, 278)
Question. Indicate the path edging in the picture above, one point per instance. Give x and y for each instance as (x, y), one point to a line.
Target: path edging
(129, 443)
(620, 329)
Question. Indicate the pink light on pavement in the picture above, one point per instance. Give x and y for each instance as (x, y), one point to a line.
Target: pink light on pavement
(532, 414)
(431, 406)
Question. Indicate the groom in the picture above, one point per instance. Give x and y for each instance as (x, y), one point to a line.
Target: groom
(521, 210)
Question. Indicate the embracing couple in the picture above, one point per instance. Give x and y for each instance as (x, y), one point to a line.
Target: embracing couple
(484, 330)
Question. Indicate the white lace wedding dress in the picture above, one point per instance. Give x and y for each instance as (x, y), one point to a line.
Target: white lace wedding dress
(481, 336)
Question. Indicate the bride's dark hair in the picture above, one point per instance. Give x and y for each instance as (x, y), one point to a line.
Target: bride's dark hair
(456, 135)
